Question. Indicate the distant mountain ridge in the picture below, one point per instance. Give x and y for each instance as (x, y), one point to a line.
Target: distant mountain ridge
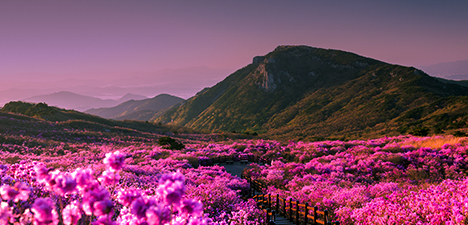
(304, 92)
(137, 109)
(450, 70)
(70, 100)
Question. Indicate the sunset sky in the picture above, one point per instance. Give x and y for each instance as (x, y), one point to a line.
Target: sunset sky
(106, 48)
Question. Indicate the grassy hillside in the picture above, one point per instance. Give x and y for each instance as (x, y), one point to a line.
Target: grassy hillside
(79, 120)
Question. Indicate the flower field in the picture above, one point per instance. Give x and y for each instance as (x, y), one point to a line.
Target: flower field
(84, 176)
(382, 181)
(128, 186)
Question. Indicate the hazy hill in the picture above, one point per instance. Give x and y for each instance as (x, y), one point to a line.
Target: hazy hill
(304, 92)
(69, 100)
(451, 70)
(130, 96)
(137, 110)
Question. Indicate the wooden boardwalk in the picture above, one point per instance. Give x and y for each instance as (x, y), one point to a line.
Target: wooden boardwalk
(236, 169)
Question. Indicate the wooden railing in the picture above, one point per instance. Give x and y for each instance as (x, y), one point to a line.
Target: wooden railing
(294, 211)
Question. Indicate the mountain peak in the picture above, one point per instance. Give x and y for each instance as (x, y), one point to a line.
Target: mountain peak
(306, 67)
(295, 47)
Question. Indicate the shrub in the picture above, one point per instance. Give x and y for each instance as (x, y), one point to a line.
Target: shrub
(420, 131)
(459, 134)
(170, 143)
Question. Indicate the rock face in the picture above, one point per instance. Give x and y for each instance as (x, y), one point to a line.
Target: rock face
(307, 91)
(266, 79)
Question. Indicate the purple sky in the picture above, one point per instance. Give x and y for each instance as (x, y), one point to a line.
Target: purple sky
(179, 47)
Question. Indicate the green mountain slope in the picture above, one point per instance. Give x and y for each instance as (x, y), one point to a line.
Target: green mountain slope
(137, 109)
(305, 92)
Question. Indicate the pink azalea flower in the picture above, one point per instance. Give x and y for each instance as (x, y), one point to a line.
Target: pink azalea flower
(20, 191)
(140, 205)
(97, 201)
(171, 192)
(191, 207)
(158, 214)
(126, 197)
(64, 184)
(27, 217)
(84, 178)
(103, 207)
(42, 173)
(71, 214)
(5, 213)
(114, 160)
(44, 212)
(109, 177)
(104, 220)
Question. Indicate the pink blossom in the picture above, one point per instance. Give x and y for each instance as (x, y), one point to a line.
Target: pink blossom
(20, 191)
(83, 177)
(64, 183)
(5, 213)
(104, 220)
(171, 192)
(140, 205)
(114, 160)
(178, 176)
(44, 212)
(126, 197)
(191, 207)
(27, 217)
(71, 214)
(158, 214)
(103, 207)
(42, 173)
(96, 201)
(109, 177)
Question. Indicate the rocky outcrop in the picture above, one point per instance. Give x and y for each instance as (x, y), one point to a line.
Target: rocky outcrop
(266, 79)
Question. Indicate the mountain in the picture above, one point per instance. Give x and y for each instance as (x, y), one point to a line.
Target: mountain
(451, 70)
(301, 92)
(69, 100)
(137, 110)
(130, 96)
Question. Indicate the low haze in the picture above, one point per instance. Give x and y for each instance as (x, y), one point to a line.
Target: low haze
(107, 48)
